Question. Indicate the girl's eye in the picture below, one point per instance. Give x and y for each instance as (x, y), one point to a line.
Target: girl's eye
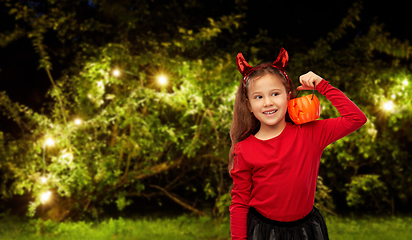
(275, 94)
(258, 97)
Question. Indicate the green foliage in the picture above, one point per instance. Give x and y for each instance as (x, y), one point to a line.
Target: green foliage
(323, 200)
(367, 190)
(117, 137)
(137, 138)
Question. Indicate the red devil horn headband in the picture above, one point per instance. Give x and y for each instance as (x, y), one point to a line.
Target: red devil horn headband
(245, 69)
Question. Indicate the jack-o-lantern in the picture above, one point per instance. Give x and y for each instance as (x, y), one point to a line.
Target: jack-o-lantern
(304, 109)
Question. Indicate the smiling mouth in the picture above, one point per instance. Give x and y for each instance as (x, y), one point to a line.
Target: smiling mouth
(270, 112)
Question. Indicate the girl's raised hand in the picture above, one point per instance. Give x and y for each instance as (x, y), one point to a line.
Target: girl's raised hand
(307, 81)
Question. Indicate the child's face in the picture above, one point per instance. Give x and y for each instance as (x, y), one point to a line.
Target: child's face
(268, 100)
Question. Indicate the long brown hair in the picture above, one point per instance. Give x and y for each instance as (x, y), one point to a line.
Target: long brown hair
(244, 123)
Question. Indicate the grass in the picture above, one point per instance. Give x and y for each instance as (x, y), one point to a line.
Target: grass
(120, 229)
(188, 228)
(370, 228)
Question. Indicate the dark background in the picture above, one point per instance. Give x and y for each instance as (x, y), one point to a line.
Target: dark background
(306, 21)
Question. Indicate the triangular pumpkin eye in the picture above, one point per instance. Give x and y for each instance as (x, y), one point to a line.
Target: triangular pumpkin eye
(304, 109)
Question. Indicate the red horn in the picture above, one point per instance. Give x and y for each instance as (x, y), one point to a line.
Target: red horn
(242, 65)
(282, 60)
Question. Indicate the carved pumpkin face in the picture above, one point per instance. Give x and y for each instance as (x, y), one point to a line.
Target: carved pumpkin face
(304, 109)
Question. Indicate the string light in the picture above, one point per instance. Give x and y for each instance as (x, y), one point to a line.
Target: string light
(388, 106)
(116, 73)
(44, 197)
(43, 180)
(49, 142)
(78, 121)
(162, 79)
(405, 82)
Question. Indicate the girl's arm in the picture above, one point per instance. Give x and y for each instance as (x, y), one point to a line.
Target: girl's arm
(242, 185)
(327, 131)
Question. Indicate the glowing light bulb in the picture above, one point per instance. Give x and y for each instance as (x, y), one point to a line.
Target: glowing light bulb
(78, 121)
(388, 106)
(44, 197)
(49, 142)
(116, 73)
(43, 179)
(162, 79)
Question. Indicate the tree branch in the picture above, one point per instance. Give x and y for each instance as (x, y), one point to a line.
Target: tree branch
(151, 171)
(177, 200)
(160, 168)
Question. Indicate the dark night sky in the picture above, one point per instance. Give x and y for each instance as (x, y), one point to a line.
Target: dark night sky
(304, 20)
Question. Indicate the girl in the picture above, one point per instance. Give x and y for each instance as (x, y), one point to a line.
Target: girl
(274, 163)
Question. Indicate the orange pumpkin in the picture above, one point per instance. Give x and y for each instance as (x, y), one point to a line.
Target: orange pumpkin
(304, 109)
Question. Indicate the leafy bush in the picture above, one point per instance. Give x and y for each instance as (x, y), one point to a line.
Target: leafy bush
(367, 191)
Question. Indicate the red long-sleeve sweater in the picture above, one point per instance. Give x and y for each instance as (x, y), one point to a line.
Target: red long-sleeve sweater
(278, 176)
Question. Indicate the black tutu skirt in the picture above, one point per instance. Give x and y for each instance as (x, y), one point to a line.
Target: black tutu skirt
(311, 227)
